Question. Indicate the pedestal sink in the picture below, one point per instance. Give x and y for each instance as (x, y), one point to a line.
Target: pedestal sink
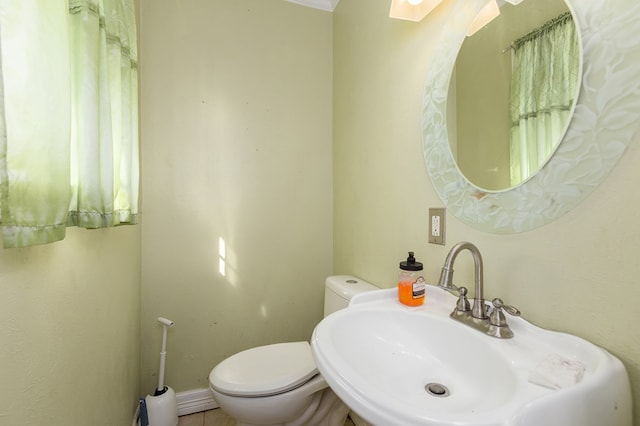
(397, 365)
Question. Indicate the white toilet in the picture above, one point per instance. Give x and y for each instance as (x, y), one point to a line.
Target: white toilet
(279, 384)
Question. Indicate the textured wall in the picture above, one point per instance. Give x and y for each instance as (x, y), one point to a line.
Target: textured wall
(577, 274)
(236, 135)
(70, 327)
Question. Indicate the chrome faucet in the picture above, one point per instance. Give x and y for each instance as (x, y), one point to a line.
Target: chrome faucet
(446, 277)
(493, 324)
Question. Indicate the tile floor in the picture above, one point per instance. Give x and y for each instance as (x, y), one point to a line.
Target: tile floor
(216, 417)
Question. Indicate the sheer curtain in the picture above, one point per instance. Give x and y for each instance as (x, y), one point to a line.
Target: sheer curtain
(68, 117)
(543, 84)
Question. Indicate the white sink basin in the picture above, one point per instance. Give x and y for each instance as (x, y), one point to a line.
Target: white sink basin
(378, 355)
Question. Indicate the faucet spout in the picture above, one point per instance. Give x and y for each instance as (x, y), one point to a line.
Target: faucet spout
(478, 309)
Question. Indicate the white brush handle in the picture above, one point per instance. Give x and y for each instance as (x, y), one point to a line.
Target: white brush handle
(163, 353)
(165, 321)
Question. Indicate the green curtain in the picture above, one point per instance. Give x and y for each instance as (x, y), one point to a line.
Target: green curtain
(68, 117)
(543, 85)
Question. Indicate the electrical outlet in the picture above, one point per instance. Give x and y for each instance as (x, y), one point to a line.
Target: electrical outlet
(436, 226)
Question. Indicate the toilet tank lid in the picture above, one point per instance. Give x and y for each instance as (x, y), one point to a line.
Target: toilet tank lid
(265, 370)
(348, 286)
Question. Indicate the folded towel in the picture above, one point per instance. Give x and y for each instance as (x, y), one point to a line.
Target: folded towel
(557, 372)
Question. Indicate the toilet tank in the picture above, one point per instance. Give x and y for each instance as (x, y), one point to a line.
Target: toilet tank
(339, 289)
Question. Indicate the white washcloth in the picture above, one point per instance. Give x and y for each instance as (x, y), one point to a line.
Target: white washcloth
(557, 372)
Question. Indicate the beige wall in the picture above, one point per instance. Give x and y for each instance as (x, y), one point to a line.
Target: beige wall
(236, 131)
(578, 274)
(482, 82)
(70, 327)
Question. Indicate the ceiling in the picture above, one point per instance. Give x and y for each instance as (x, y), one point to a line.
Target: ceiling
(330, 5)
(327, 5)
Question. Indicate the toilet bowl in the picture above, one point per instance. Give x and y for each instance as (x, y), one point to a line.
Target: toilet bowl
(279, 384)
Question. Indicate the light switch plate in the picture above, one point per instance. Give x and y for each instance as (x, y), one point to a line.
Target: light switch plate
(436, 226)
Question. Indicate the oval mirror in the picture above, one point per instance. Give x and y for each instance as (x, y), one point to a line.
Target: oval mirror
(512, 93)
(605, 121)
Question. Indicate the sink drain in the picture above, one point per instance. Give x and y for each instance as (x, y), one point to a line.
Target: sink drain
(437, 389)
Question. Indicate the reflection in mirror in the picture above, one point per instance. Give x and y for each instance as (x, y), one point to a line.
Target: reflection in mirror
(512, 93)
(606, 120)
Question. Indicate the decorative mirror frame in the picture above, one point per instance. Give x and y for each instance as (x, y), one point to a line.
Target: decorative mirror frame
(606, 118)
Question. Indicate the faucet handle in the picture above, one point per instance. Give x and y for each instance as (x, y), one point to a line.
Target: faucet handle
(498, 326)
(463, 303)
(497, 317)
(511, 310)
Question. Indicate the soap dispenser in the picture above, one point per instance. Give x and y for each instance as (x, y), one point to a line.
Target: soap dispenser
(411, 284)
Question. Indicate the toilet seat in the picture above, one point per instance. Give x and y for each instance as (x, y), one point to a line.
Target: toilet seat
(265, 370)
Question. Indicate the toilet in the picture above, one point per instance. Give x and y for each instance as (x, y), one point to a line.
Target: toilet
(279, 384)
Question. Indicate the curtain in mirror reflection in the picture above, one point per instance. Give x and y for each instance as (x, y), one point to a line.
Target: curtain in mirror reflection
(543, 84)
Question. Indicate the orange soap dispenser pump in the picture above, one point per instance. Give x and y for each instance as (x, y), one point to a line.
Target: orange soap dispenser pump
(411, 285)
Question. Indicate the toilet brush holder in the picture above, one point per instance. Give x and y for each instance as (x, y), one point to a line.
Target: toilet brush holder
(162, 406)
(162, 410)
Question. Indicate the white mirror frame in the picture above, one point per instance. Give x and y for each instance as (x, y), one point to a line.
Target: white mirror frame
(606, 118)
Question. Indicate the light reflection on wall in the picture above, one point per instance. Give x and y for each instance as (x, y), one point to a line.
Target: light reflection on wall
(227, 260)
(222, 257)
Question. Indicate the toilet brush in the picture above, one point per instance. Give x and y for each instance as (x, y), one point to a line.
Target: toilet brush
(162, 406)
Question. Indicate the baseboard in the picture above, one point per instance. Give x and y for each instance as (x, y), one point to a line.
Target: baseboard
(194, 401)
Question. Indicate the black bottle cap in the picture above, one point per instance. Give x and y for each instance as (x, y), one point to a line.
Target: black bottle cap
(410, 264)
